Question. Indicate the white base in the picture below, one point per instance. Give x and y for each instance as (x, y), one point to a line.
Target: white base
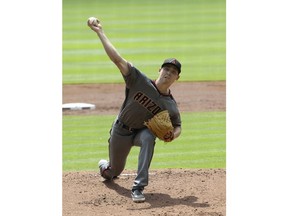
(78, 106)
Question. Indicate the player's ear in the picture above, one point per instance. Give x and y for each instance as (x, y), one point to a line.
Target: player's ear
(178, 77)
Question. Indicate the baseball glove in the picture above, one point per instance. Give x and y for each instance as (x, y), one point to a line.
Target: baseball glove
(160, 125)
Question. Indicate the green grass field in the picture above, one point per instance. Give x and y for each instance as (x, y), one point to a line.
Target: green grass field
(145, 33)
(201, 144)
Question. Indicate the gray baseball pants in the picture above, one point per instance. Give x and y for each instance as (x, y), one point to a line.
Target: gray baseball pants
(120, 143)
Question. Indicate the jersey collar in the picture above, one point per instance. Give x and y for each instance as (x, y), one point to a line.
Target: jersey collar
(167, 95)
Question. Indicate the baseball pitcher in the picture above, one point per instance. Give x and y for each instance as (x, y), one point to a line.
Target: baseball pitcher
(137, 124)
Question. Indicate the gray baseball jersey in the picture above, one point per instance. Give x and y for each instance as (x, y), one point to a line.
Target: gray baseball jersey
(143, 100)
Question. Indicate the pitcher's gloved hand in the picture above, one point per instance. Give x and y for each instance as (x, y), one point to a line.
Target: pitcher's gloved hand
(161, 126)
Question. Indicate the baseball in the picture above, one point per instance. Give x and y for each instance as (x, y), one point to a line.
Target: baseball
(93, 21)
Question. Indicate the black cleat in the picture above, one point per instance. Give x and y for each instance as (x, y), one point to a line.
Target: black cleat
(137, 196)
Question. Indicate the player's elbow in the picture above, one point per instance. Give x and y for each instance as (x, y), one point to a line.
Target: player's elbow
(177, 131)
(122, 65)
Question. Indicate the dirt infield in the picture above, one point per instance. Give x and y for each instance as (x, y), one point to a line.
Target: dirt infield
(171, 192)
(108, 98)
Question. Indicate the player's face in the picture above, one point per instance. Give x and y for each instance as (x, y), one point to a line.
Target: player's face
(169, 73)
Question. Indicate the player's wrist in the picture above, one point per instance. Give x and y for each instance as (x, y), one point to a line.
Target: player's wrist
(169, 137)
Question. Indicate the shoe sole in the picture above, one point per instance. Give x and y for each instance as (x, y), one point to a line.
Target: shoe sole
(138, 200)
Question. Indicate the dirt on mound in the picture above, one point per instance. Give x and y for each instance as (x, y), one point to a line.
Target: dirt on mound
(181, 192)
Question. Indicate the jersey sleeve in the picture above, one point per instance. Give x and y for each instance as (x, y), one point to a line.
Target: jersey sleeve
(176, 119)
(133, 76)
(173, 110)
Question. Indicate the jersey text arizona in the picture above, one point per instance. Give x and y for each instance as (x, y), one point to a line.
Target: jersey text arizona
(146, 102)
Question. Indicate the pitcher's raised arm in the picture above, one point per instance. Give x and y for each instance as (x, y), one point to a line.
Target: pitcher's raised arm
(111, 51)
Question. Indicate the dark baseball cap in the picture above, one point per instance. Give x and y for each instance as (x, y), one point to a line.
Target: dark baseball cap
(174, 62)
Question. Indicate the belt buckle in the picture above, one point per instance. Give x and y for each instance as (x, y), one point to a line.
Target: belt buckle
(127, 127)
(124, 126)
(130, 129)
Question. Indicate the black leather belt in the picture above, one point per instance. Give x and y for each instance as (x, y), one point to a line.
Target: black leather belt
(124, 126)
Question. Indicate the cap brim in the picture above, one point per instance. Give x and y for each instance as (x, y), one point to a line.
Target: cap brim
(179, 70)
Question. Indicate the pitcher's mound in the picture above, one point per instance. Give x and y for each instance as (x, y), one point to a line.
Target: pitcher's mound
(183, 192)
